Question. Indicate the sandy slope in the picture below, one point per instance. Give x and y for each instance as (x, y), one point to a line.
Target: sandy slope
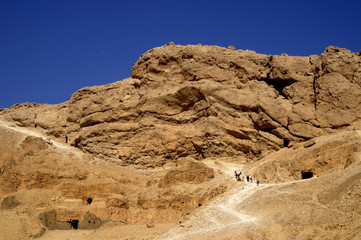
(220, 214)
(28, 132)
(145, 140)
(317, 208)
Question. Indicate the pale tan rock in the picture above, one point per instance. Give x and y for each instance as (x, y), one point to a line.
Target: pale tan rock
(204, 90)
(142, 147)
(320, 155)
(338, 100)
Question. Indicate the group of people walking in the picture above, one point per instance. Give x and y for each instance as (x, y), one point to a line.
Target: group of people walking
(248, 178)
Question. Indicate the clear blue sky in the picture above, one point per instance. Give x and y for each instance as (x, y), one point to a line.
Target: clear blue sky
(49, 49)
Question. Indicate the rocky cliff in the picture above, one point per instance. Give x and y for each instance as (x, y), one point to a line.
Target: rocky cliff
(156, 147)
(205, 101)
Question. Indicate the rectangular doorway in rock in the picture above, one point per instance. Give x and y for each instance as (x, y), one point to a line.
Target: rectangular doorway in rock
(306, 175)
(286, 142)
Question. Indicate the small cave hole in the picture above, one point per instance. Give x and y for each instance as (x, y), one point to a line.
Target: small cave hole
(306, 175)
(199, 205)
(77, 143)
(74, 223)
(89, 201)
(279, 85)
(286, 142)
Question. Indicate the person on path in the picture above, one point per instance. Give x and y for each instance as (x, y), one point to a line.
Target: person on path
(250, 179)
(247, 178)
(235, 174)
(257, 182)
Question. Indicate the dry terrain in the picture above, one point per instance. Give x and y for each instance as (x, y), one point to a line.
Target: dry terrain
(153, 156)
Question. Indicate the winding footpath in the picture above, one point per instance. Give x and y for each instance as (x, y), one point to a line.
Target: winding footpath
(218, 215)
(56, 144)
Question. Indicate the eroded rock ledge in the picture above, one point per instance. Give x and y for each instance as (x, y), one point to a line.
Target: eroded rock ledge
(205, 101)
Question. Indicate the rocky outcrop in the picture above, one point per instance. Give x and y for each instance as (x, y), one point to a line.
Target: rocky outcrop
(205, 101)
(56, 186)
(318, 157)
(9, 202)
(49, 220)
(132, 151)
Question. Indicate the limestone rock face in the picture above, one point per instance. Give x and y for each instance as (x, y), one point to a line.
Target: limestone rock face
(55, 186)
(320, 156)
(205, 101)
(154, 147)
(338, 89)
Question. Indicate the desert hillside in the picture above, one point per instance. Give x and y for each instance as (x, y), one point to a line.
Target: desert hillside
(154, 155)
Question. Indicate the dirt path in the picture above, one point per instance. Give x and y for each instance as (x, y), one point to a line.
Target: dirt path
(221, 213)
(27, 132)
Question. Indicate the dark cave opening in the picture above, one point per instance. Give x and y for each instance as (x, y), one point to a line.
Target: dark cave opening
(89, 201)
(286, 142)
(280, 84)
(77, 143)
(306, 175)
(74, 223)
